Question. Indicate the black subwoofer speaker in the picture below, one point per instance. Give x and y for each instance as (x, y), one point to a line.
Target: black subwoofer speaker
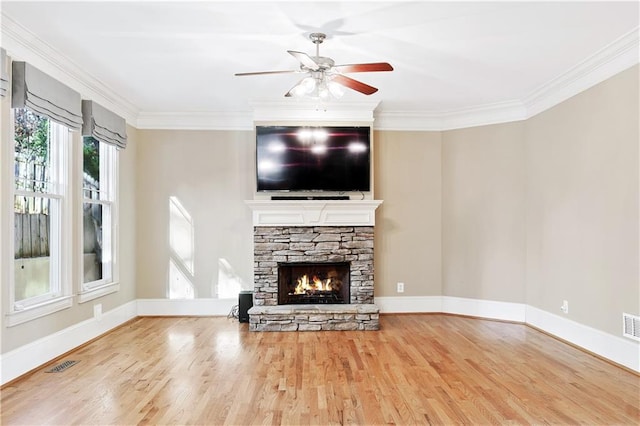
(245, 302)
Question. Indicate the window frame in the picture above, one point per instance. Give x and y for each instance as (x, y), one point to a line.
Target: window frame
(60, 295)
(108, 197)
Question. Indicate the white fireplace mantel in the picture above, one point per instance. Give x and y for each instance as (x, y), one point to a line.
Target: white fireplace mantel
(313, 212)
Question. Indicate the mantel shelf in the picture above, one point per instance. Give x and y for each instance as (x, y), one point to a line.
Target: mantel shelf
(313, 212)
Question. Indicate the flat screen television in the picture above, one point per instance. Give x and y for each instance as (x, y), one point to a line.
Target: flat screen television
(308, 158)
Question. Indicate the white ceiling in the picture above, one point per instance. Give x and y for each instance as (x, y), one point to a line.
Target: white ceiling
(164, 58)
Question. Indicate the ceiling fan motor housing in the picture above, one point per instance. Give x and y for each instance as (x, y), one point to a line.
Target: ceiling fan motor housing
(317, 38)
(324, 63)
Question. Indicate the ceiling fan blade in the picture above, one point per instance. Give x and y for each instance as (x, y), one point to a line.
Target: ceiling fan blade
(289, 94)
(375, 66)
(305, 60)
(354, 84)
(239, 74)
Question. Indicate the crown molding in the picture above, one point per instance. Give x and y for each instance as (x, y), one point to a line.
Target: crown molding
(225, 120)
(500, 112)
(262, 110)
(614, 58)
(307, 110)
(21, 44)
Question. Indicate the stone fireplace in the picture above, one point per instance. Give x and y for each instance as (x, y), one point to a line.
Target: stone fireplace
(301, 247)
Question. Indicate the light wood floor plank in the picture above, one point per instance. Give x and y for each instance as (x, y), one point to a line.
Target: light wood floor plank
(418, 369)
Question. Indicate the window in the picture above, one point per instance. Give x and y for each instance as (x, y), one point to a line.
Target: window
(98, 211)
(41, 217)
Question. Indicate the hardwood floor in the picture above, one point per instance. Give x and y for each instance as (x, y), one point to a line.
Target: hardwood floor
(418, 369)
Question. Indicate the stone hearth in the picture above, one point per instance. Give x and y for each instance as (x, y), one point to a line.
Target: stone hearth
(314, 317)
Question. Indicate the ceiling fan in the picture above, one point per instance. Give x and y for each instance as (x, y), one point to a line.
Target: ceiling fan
(325, 79)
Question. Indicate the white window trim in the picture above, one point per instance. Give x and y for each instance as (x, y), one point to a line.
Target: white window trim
(37, 311)
(95, 289)
(63, 299)
(98, 291)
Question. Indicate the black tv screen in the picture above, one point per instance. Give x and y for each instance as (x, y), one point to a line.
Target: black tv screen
(306, 158)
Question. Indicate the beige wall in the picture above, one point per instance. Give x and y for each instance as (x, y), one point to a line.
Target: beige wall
(500, 212)
(212, 174)
(582, 205)
(534, 212)
(408, 231)
(209, 174)
(483, 213)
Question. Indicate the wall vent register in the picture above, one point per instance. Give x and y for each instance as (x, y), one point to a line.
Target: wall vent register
(631, 326)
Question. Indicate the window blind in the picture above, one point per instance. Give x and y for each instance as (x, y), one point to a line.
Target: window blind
(4, 73)
(33, 89)
(103, 124)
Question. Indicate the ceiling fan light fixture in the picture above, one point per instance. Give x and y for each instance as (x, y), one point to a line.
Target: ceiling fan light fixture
(318, 87)
(335, 89)
(323, 91)
(306, 86)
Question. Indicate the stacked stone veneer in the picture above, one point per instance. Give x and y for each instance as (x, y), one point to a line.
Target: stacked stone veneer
(276, 244)
(314, 317)
(273, 245)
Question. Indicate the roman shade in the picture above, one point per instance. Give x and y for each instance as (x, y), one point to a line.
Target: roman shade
(45, 95)
(103, 124)
(4, 73)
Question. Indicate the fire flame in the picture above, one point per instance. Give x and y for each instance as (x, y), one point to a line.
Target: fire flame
(309, 286)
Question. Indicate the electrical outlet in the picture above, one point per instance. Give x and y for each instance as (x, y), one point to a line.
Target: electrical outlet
(97, 311)
(400, 288)
(565, 307)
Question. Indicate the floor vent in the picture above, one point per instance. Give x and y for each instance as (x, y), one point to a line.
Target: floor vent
(631, 326)
(61, 367)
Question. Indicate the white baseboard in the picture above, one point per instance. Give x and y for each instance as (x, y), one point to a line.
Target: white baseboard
(490, 309)
(453, 305)
(32, 355)
(617, 349)
(185, 307)
(625, 352)
(28, 357)
(409, 304)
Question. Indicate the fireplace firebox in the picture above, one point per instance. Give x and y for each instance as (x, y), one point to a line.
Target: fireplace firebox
(313, 283)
